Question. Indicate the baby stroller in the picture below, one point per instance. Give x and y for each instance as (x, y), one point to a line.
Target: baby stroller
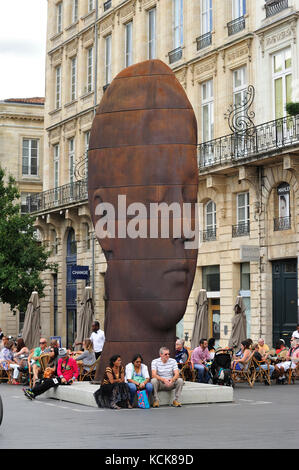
(221, 367)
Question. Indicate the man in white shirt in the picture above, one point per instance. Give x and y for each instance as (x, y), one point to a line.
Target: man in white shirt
(166, 376)
(295, 333)
(98, 338)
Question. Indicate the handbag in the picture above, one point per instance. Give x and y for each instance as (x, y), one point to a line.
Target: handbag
(142, 400)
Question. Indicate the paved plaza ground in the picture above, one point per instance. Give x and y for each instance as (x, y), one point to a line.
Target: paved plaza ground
(263, 417)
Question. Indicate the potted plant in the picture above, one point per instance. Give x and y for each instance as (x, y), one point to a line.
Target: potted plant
(292, 108)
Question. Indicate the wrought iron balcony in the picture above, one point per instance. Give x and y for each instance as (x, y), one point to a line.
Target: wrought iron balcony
(275, 6)
(259, 140)
(241, 230)
(175, 55)
(107, 5)
(204, 41)
(209, 235)
(58, 197)
(235, 26)
(282, 223)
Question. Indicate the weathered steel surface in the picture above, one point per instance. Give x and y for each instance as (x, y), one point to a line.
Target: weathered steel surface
(143, 145)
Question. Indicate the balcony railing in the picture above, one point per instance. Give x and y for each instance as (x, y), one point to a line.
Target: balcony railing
(235, 26)
(57, 197)
(241, 230)
(175, 55)
(275, 6)
(268, 137)
(204, 41)
(107, 5)
(282, 223)
(209, 235)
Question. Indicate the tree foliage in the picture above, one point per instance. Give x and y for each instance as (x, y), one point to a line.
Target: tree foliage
(22, 258)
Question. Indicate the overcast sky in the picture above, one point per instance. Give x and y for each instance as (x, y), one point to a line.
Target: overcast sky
(23, 26)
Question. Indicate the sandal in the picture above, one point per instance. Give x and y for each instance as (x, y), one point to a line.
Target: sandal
(115, 407)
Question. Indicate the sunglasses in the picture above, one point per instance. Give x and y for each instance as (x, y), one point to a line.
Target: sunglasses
(42, 342)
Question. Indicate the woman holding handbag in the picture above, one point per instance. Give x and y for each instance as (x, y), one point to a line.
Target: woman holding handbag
(137, 377)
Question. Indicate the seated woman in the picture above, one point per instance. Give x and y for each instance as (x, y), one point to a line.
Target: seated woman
(67, 373)
(7, 360)
(137, 377)
(239, 362)
(88, 356)
(211, 347)
(21, 358)
(113, 388)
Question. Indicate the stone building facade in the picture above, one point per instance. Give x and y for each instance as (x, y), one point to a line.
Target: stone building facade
(21, 155)
(248, 182)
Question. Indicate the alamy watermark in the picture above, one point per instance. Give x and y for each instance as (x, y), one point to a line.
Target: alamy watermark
(155, 220)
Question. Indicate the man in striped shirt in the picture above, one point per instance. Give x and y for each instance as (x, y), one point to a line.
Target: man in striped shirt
(166, 376)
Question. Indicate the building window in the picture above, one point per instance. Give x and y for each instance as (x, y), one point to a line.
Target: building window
(209, 233)
(59, 17)
(89, 69)
(71, 160)
(243, 208)
(86, 145)
(242, 228)
(206, 16)
(28, 203)
(56, 165)
(211, 278)
(86, 236)
(178, 23)
(207, 111)
(73, 78)
(75, 11)
(282, 81)
(90, 5)
(129, 44)
(239, 85)
(30, 157)
(108, 40)
(239, 8)
(58, 88)
(245, 293)
(152, 33)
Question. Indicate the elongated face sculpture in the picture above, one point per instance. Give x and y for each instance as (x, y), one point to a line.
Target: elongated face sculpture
(142, 167)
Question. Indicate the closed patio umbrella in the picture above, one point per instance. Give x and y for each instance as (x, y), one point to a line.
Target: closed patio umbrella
(31, 329)
(85, 317)
(238, 333)
(201, 322)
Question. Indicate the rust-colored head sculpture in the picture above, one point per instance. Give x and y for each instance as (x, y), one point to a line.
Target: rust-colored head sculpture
(143, 148)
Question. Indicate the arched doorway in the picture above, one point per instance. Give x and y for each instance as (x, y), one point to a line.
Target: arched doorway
(71, 289)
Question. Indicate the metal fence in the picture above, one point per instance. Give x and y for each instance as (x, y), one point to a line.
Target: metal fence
(270, 136)
(63, 195)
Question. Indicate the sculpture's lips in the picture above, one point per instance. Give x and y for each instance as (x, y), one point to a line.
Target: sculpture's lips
(184, 268)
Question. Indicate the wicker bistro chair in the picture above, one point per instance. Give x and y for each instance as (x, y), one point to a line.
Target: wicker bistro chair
(292, 374)
(187, 372)
(262, 374)
(44, 360)
(5, 374)
(247, 374)
(88, 375)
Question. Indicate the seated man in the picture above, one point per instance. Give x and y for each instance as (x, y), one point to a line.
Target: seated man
(261, 358)
(292, 360)
(262, 347)
(165, 376)
(181, 353)
(33, 358)
(199, 358)
(67, 372)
